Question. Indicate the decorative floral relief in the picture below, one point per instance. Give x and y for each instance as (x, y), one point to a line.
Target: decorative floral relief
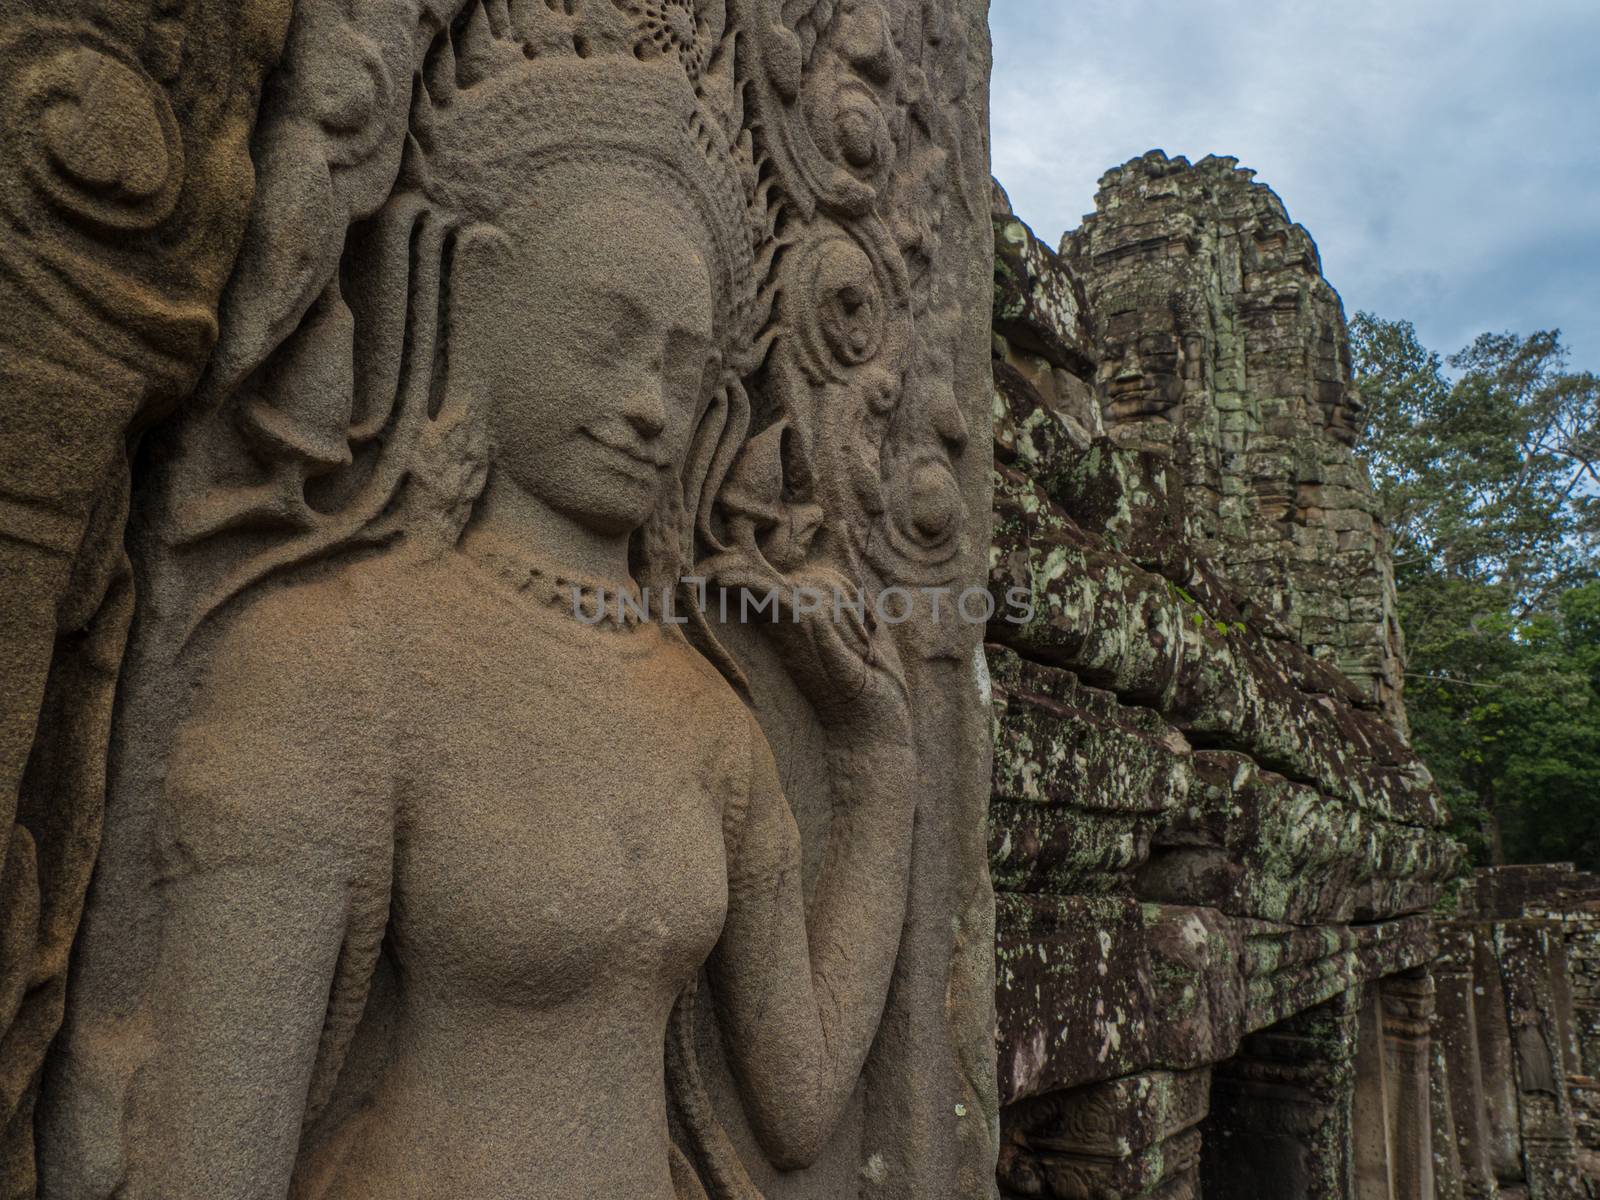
(675, 27)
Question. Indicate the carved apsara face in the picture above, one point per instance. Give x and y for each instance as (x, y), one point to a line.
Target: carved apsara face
(592, 334)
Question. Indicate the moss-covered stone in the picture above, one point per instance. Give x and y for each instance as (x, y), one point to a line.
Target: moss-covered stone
(1207, 832)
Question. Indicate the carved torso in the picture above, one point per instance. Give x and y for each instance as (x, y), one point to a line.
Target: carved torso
(559, 875)
(604, 756)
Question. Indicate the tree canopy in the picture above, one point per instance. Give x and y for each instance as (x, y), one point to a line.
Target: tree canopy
(1487, 468)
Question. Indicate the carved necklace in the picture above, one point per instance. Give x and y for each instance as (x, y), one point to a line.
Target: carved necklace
(587, 603)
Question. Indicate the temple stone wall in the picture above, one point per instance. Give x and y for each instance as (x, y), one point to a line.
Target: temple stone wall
(1519, 1034)
(1227, 961)
(1215, 854)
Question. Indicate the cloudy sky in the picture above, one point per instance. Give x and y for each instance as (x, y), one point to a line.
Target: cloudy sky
(1445, 154)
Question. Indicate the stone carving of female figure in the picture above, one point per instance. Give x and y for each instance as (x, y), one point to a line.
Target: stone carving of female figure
(432, 859)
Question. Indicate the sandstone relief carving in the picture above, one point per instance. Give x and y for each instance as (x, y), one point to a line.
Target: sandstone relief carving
(456, 841)
(124, 183)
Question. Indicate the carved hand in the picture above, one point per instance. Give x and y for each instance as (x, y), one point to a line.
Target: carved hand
(842, 660)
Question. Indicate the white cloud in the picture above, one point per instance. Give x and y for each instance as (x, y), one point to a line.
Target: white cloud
(1443, 154)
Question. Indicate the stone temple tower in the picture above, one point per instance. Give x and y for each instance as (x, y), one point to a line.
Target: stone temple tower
(1222, 346)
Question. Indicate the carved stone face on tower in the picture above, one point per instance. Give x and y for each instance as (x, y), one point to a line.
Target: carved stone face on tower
(1340, 403)
(420, 880)
(1142, 371)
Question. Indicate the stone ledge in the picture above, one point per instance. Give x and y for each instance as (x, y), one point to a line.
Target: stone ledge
(1097, 987)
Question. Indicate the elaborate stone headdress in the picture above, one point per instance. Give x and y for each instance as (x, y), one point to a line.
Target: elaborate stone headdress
(502, 94)
(624, 88)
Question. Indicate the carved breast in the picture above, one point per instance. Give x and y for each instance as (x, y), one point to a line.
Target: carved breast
(564, 841)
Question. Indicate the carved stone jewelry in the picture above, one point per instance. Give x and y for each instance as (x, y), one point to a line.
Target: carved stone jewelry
(585, 601)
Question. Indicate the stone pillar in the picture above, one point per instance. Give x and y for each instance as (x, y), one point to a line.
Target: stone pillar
(1583, 963)
(1561, 997)
(1583, 959)
(1456, 1043)
(1281, 1110)
(1539, 1069)
(1372, 1129)
(1502, 1120)
(1447, 1178)
(1407, 1009)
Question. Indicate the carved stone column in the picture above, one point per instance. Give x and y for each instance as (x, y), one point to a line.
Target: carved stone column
(1583, 958)
(1583, 965)
(1446, 1153)
(1544, 1108)
(1456, 1040)
(1562, 998)
(1502, 1121)
(1372, 1130)
(1407, 1010)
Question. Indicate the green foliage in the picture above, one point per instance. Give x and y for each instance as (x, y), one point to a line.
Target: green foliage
(1490, 483)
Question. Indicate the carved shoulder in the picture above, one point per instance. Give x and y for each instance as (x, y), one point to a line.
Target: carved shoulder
(288, 745)
(740, 765)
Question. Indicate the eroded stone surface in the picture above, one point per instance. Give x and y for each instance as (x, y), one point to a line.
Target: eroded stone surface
(1518, 1070)
(125, 178)
(1221, 344)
